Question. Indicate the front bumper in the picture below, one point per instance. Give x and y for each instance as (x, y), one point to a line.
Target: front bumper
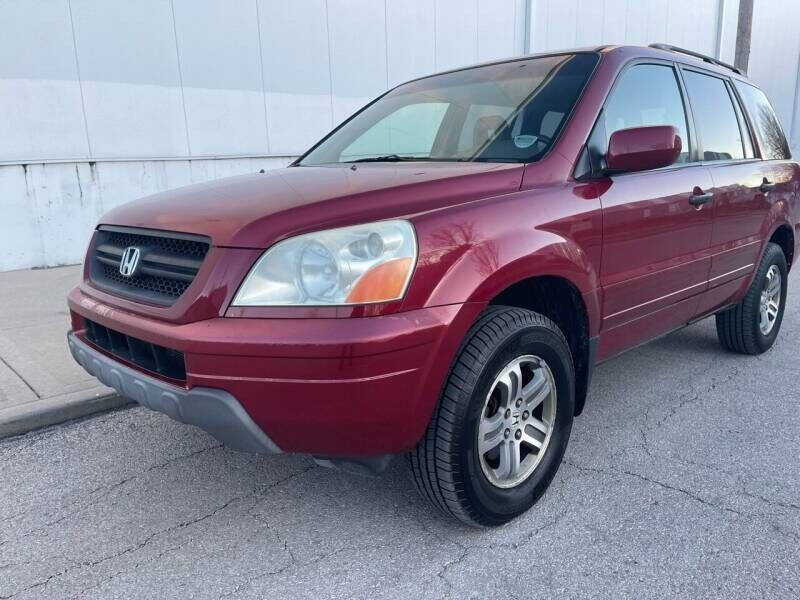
(214, 411)
(342, 387)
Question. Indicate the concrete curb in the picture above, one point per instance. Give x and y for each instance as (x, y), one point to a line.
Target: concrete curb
(22, 418)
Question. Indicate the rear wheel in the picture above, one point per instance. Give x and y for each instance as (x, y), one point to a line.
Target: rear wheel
(500, 430)
(752, 326)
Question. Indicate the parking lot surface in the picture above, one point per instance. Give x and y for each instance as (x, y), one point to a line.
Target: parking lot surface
(682, 480)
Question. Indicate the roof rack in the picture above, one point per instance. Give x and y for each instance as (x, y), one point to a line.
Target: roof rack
(702, 57)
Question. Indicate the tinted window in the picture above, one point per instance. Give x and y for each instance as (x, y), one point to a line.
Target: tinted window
(647, 95)
(749, 151)
(507, 112)
(714, 117)
(773, 142)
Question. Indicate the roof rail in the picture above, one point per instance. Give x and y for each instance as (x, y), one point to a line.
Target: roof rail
(703, 57)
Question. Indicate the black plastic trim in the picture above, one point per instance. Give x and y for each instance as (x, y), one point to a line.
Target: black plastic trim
(212, 410)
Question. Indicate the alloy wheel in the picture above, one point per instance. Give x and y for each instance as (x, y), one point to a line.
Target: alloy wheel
(770, 303)
(517, 421)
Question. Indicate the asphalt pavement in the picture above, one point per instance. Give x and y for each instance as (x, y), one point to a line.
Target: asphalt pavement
(682, 480)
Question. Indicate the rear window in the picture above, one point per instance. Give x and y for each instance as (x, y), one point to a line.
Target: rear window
(715, 118)
(770, 133)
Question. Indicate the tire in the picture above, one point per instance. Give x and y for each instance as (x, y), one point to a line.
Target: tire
(739, 328)
(448, 469)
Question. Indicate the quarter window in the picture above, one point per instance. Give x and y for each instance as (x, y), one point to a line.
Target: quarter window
(714, 116)
(647, 95)
(773, 142)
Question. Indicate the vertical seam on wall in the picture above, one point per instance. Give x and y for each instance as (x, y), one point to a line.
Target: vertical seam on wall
(435, 26)
(30, 194)
(720, 28)
(546, 25)
(261, 65)
(627, 18)
(386, 37)
(516, 26)
(180, 77)
(795, 105)
(80, 81)
(330, 62)
(527, 32)
(477, 32)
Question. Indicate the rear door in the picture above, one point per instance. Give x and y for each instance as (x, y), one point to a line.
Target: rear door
(656, 244)
(740, 206)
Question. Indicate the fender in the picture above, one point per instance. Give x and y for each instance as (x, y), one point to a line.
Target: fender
(470, 255)
(473, 255)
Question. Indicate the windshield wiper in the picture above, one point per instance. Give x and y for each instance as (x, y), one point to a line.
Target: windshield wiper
(390, 158)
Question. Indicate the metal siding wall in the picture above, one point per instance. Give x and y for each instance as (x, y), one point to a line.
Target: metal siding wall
(152, 90)
(774, 56)
(561, 24)
(193, 79)
(224, 106)
(297, 72)
(130, 77)
(692, 24)
(41, 113)
(410, 20)
(357, 76)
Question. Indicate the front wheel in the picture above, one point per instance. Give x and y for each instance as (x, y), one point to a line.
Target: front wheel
(752, 326)
(500, 430)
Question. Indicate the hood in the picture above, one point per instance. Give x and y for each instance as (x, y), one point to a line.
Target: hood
(254, 211)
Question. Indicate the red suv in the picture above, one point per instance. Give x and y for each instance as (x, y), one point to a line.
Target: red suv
(440, 274)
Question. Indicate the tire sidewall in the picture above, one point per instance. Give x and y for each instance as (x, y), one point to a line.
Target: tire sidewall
(773, 256)
(498, 505)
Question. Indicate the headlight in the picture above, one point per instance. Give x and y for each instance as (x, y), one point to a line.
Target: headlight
(351, 265)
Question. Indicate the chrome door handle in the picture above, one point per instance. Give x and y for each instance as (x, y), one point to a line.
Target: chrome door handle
(697, 200)
(766, 186)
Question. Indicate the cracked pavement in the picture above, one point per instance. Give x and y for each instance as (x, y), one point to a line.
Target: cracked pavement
(682, 480)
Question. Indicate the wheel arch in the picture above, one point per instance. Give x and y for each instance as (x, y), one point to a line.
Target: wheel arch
(560, 300)
(783, 236)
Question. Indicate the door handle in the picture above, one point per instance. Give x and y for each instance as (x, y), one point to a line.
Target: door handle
(766, 186)
(697, 200)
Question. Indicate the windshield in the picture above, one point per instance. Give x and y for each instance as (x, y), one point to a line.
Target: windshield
(507, 112)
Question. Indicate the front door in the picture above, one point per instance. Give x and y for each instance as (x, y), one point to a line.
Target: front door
(656, 241)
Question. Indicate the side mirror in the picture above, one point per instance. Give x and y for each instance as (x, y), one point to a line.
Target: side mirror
(643, 148)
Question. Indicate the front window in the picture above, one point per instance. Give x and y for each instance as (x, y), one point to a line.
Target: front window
(508, 112)
(645, 95)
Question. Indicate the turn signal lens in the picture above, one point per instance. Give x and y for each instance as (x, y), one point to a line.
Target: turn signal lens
(381, 283)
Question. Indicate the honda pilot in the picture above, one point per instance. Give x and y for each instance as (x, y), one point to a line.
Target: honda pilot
(439, 275)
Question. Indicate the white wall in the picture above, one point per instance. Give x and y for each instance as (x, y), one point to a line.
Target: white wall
(707, 26)
(50, 209)
(143, 79)
(690, 24)
(103, 101)
(775, 60)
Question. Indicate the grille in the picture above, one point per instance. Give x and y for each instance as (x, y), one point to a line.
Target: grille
(150, 357)
(168, 263)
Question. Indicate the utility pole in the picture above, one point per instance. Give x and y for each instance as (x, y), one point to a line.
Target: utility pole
(743, 31)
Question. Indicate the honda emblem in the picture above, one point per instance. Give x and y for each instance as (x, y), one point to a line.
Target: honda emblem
(129, 262)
